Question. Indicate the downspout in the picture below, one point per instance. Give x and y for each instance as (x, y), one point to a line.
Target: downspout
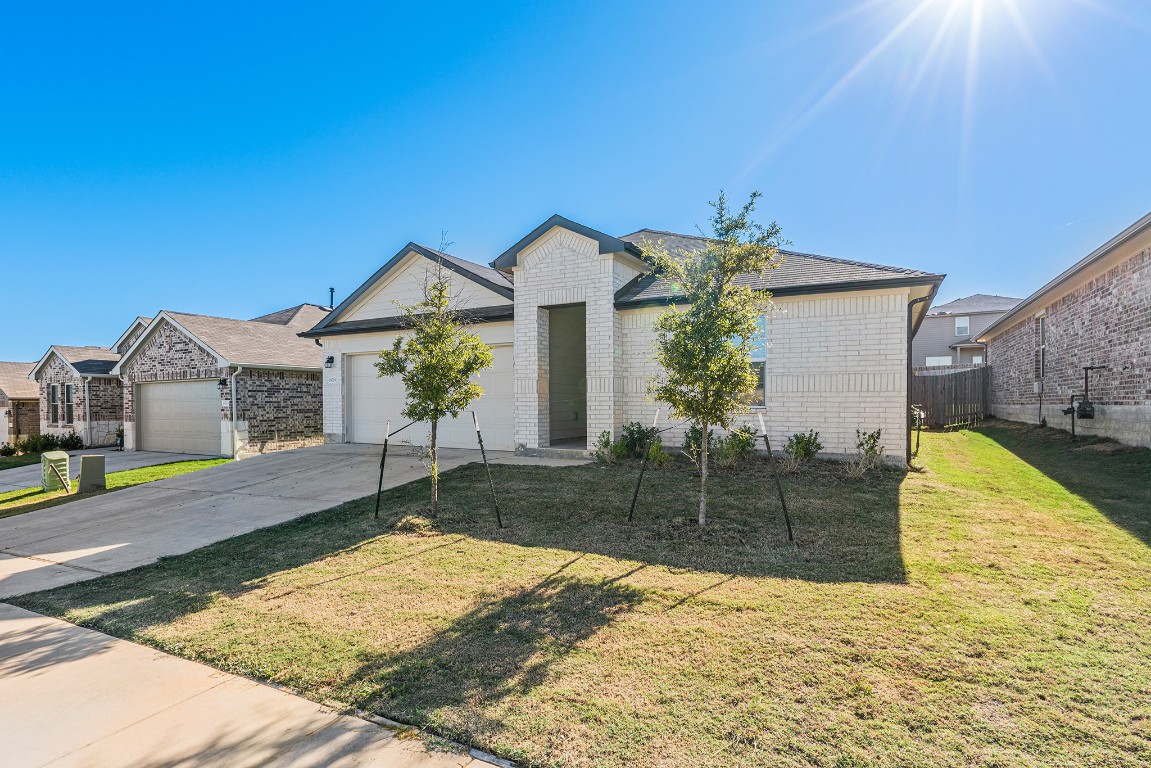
(87, 412)
(235, 436)
(122, 440)
(907, 416)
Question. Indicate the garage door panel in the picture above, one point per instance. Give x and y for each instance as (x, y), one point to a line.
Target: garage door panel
(372, 401)
(178, 417)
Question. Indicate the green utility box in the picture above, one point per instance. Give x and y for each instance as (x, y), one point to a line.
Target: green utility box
(53, 468)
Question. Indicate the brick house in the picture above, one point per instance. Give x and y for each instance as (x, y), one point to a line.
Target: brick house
(568, 313)
(948, 333)
(1096, 313)
(219, 386)
(20, 401)
(78, 391)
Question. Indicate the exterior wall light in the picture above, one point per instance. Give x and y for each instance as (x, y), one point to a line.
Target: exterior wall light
(329, 361)
(222, 384)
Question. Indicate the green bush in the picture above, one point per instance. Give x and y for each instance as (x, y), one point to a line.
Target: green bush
(657, 455)
(38, 444)
(7, 450)
(801, 448)
(869, 453)
(736, 447)
(71, 442)
(633, 439)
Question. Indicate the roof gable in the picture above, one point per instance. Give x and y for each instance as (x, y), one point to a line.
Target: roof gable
(403, 273)
(14, 381)
(83, 361)
(979, 302)
(138, 325)
(607, 243)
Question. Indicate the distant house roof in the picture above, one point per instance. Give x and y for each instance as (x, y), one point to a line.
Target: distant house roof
(84, 361)
(14, 381)
(140, 321)
(270, 341)
(797, 273)
(301, 316)
(974, 304)
(1067, 276)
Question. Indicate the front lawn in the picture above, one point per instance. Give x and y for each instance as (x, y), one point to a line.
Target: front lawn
(31, 499)
(19, 460)
(973, 613)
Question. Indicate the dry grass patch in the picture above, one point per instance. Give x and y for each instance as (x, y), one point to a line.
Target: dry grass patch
(975, 613)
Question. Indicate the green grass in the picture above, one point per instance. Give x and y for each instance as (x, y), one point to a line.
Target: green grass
(19, 460)
(989, 609)
(31, 499)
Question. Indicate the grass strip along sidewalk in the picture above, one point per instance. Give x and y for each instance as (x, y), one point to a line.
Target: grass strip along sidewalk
(989, 609)
(30, 499)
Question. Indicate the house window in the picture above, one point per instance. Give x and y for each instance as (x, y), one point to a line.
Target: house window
(67, 403)
(53, 403)
(1041, 347)
(963, 326)
(759, 362)
(937, 361)
(977, 359)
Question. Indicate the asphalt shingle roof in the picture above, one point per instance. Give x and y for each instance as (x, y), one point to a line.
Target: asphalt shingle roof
(302, 316)
(254, 342)
(796, 271)
(479, 270)
(14, 381)
(979, 302)
(89, 361)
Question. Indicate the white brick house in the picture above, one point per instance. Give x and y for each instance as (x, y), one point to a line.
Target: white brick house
(568, 312)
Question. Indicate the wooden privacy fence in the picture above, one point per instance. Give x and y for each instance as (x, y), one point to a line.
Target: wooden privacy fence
(951, 396)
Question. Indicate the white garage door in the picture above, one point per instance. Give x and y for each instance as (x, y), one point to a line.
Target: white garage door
(372, 401)
(178, 417)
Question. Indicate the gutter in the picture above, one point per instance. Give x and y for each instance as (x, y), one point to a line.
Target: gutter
(87, 412)
(911, 335)
(805, 290)
(235, 436)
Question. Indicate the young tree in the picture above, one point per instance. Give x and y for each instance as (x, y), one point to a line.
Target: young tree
(704, 348)
(436, 363)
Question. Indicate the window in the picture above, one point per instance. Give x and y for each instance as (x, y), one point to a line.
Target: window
(67, 403)
(963, 326)
(1041, 347)
(935, 361)
(759, 362)
(53, 403)
(977, 359)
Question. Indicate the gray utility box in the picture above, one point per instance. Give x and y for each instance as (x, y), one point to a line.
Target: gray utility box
(53, 468)
(92, 476)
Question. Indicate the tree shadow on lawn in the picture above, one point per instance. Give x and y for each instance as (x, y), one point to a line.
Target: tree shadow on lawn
(1112, 477)
(502, 647)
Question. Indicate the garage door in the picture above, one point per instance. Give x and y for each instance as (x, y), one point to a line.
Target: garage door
(372, 401)
(178, 417)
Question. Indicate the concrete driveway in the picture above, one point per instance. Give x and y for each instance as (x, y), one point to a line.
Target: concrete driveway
(117, 531)
(19, 478)
(74, 697)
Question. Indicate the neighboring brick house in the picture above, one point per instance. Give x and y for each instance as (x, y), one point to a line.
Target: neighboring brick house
(1096, 313)
(947, 335)
(568, 312)
(78, 391)
(219, 386)
(20, 402)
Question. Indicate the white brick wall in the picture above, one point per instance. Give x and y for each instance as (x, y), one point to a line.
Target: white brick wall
(565, 268)
(835, 363)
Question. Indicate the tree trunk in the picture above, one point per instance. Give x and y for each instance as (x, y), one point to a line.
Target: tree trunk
(435, 471)
(703, 477)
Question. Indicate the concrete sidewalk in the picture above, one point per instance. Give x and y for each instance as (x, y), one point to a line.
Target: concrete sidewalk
(118, 531)
(74, 697)
(19, 478)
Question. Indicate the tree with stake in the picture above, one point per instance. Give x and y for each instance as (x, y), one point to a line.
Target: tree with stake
(436, 363)
(705, 348)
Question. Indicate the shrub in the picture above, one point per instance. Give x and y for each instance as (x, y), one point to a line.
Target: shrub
(38, 444)
(71, 442)
(736, 447)
(633, 439)
(657, 455)
(869, 453)
(801, 448)
(7, 450)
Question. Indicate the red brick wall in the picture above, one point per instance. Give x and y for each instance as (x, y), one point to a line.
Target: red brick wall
(1106, 321)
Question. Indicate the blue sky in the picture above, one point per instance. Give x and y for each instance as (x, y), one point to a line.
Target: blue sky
(234, 160)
